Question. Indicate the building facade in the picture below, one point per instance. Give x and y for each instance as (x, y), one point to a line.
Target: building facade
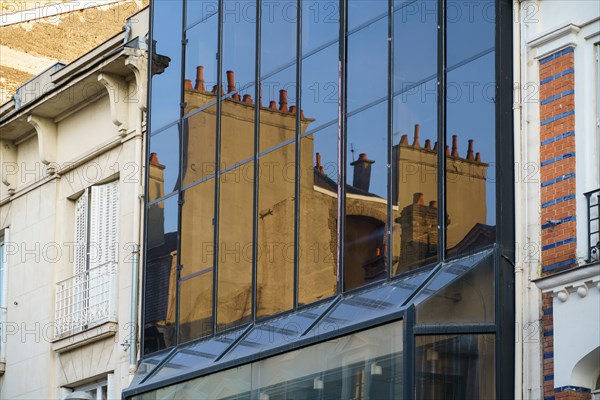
(557, 198)
(298, 244)
(71, 203)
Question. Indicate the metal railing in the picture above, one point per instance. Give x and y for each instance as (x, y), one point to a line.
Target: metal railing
(593, 218)
(86, 300)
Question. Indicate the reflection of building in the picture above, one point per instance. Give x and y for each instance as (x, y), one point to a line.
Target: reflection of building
(273, 274)
(70, 224)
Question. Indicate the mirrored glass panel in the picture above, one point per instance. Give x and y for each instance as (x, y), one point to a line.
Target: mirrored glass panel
(166, 63)
(415, 127)
(200, 10)
(364, 365)
(147, 366)
(201, 49)
(455, 367)
(465, 294)
(161, 276)
(163, 164)
(199, 139)
(195, 306)
(365, 239)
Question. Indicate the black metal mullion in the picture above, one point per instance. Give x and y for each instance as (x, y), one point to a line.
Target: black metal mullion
(180, 194)
(257, 105)
(441, 105)
(297, 165)
(409, 353)
(217, 168)
(342, 140)
(390, 134)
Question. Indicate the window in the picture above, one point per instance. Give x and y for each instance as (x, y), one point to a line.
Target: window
(97, 391)
(86, 299)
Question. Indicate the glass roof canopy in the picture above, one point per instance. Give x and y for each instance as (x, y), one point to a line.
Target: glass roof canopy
(343, 314)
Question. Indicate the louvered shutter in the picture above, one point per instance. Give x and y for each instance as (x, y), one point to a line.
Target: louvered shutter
(81, 234)
(104, 209)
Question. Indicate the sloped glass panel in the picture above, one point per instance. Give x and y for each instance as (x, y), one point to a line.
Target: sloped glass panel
(277, 332)
(462, 292)
(370, 304)
(196, 356)
(147, 366)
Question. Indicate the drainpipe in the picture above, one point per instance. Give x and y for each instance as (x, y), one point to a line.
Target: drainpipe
(520, 201)
(4, 296)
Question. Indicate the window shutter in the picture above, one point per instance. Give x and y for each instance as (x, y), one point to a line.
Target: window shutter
(81, 234)
(104, 225)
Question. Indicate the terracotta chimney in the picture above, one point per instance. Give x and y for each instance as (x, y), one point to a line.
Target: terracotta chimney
(454, 146)
(470, 151)
(362, 172)
(433, 204)
(418, 199)
(447, 151)
(435, 147)
(416, 138)
(154, 158)
(478, 157)
(283, 100)
(188, 84)
(273, 105)
(230, 82)
(404, 140)
(214, 89)
(427, 144)
(247, 99)
(293, 109)
(200, 79)
(302, 114)
(319, 166)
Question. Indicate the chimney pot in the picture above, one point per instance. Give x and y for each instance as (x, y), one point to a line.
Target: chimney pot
(362, 172)
(319, 161)
(416, 137)
(247, 99)
(435, 147)
(214, 89)
(447, 151)
(236, 97)
(293, 109)
(230, 82)
(404, 140)
(433, 204)
(154, 158)
(454, 146)
(283, 100)
(427, 144)
(200, 79)
(470, 151)
(273, 105)
(188, 84)
(418, 198)
(478, 157)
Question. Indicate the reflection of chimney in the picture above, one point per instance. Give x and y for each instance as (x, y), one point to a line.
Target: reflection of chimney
(273, 105)
(187, 84)
(478, 157)
(293, 109)
(247, 99)
(283, 100)
(200, 78)
(362, 172)
(418, 199)
(319, 167)
(230, 82)
(454, 146)
(416, 138)
(156, 185)
(404, 140)
(470, 156)
(427, 144)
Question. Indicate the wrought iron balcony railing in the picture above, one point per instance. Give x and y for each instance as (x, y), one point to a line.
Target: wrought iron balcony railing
(86, 300)
(593, 218)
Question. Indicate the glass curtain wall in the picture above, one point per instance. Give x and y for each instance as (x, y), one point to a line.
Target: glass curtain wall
(301, 149)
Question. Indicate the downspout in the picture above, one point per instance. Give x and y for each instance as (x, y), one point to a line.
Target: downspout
(137, 226)
(519, 199)
(4, 297)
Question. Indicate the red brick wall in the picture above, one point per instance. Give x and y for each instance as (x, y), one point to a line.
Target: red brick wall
(558, 190)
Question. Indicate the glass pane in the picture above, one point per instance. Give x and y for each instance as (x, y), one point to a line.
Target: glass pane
(369, 304)
(470, 175)
(366, 197)
(320, 24)
(197, 230)
(166, 67)
(463, 294)
(363, 11)
(470, 29)
(319, 164)
(277, 332)
(199, 141)
(147, 366)
(200, 10)
(195, 356)
(195, 306)
(164, 163)
(201, 49)
(364, 365)
(236, 214)
(239, 46)
(455, 367)
(161, 276)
